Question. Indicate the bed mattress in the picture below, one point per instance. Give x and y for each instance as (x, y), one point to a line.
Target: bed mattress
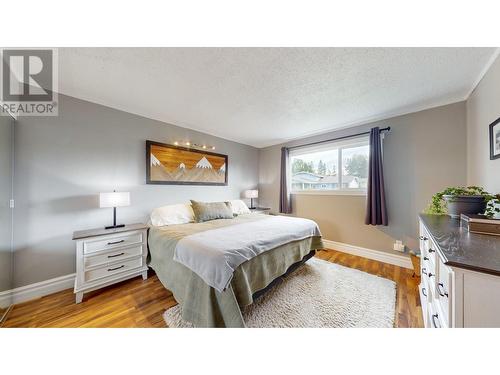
(203, 305)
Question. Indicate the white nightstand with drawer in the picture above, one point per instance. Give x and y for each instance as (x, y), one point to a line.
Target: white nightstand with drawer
(108, 256)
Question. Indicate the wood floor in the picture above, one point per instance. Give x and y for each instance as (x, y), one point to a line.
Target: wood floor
(138, 303)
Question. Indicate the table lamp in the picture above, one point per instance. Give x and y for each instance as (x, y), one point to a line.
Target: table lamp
(114, 200)
(251, 194)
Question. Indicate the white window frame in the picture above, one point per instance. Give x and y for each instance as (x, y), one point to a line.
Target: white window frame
(340, 145)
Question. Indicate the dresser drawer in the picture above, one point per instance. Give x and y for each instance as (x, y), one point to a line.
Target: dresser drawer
(443, 291)
(110, 270)
(435, 318)
(428, 274)
(424, 240)
(92, 246)
(427, 246)
(432, 253)
(424, 302)
(111, 256)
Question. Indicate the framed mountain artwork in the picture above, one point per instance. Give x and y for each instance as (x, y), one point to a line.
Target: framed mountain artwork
(175, 165)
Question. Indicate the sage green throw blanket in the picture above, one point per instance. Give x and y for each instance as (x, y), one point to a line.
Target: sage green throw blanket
(201, 304)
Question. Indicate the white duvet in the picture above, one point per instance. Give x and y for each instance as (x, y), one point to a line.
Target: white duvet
(215, 254)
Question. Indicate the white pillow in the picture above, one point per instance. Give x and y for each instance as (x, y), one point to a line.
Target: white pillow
(239, 207)
(172, 214)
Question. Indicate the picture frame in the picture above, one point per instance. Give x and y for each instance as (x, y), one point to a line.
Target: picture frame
(495, 139)
(168, 164)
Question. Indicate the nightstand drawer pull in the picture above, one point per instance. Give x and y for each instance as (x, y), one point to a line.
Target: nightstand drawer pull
(431, 250)
(116, 268)
(425, 258)
(116, 255)
(424, 271)
(424, 292)
(423, 238)
(116, 242)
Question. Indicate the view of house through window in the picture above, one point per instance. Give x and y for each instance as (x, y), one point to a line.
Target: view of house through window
(333, 166)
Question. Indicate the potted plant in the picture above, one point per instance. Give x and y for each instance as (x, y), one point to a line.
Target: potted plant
(457, 200)
(493, 208)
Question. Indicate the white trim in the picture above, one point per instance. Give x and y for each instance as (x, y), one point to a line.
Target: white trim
(381, 256)
(360, 192)
(5, 299)
(43, 288)
(483, 72)
(329, 145)
(37, 290)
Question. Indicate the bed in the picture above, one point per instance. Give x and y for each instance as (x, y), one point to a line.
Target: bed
(212, 286)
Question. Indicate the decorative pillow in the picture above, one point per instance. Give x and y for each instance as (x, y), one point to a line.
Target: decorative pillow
(239, 207)
(172, 214)
(211, 211)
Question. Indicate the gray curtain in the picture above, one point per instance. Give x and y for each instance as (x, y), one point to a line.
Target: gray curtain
(285, 199)
(376, 210)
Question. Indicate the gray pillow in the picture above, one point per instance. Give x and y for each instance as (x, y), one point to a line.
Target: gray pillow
(210, 211)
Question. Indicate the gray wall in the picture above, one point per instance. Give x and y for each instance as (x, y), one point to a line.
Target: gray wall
(6, 130)
(483, 107)
(424, 153)
(63, 162)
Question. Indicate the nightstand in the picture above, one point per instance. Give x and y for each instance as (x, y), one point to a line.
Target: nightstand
(108, 256)
(260, 210)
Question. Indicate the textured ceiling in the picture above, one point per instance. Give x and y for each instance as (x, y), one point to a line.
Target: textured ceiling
(264, 96)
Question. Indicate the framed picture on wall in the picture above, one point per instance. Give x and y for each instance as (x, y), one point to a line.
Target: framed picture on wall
(495, 140)
(175, 165)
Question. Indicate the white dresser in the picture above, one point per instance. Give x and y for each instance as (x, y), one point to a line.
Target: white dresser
(105, 257)
(460, 275)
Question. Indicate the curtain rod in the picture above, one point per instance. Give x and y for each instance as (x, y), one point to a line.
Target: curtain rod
(387, 129)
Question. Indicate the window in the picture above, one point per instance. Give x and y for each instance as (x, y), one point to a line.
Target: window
(331, 167)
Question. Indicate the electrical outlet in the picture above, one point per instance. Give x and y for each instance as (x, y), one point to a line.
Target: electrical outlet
(11, 203)
(398, 246)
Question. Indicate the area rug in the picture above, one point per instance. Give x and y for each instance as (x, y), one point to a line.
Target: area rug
(319, 294)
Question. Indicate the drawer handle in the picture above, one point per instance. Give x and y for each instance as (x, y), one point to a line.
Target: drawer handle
(443, 294)
(423, 238)
(116, 242)
(433, 320)
(116, 255)
(425, 258)
(431, 250)
(424, 292)
(431, 274)
(116, 268)
(424, 271)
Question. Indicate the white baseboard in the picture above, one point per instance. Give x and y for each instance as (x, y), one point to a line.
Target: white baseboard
(381, 256)
(5, 299)
(43, 288)
(36, 290)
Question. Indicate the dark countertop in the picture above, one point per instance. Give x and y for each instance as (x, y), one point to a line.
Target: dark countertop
(459, 248)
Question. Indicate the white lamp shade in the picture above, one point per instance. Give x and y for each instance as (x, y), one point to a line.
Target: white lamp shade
(251, 194)
(114, 199)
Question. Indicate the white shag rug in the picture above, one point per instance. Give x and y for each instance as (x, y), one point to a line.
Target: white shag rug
(319, 294)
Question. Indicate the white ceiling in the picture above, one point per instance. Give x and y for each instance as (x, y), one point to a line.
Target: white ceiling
(264, 96)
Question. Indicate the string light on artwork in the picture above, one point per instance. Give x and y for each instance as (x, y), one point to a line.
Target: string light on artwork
(194, 145)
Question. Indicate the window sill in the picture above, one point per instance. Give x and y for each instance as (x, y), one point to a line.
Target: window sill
(330, 192)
